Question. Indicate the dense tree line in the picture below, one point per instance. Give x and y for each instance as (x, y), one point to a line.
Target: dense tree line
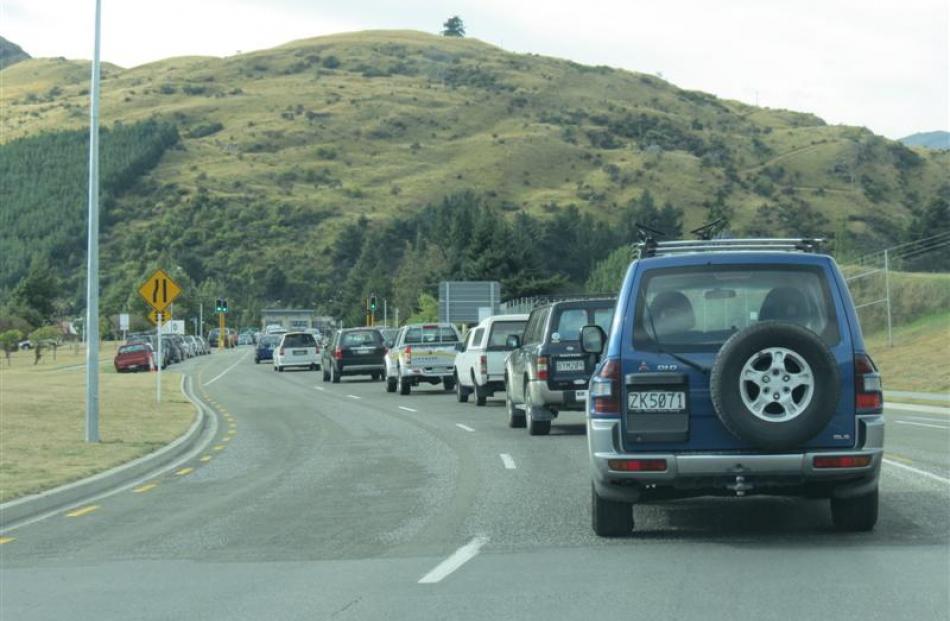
(43, 196)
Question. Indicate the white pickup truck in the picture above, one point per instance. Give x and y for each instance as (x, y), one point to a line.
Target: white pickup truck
(422, 353)
(480, 363)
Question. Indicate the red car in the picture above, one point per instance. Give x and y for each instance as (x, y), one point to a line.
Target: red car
(134, 357)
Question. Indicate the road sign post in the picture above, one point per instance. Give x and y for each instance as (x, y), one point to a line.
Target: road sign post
(159, 291)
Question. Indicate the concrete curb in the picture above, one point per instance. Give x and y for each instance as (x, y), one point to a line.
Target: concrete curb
(59, 498)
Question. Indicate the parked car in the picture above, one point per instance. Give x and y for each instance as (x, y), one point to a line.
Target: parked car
(25, 345)
(734, 371)
(297, 349)
(192, 345)
(245, 339)
(546, 372)
(354, 351)
(480, 362)
(205, 346)
(174, 349)
(136, 356)
(265, 348)
(422, 353)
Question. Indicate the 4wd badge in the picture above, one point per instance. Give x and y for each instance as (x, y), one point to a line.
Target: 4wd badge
(643, 367)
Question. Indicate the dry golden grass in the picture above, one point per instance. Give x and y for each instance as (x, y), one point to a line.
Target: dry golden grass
(919, 359)
(42, 420)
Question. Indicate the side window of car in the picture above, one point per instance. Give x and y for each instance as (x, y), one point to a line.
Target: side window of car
(529, 327)
(477, 337)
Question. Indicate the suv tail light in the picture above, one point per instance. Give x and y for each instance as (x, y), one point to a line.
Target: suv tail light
(483, 366)
(842, 461)
(541, 371)
(338, 353)
(637, 465)
(407, 355)
(605, 390)
(867, 385)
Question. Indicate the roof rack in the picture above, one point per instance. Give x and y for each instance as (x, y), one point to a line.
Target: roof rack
(653, 248)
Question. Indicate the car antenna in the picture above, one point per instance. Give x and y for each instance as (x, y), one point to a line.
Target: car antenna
(710, 230)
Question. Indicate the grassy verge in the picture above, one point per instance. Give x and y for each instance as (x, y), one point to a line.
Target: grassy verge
(42, 420)
(918, 360)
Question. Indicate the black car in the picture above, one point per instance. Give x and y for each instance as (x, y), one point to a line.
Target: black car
(354, 351)
(265, 347)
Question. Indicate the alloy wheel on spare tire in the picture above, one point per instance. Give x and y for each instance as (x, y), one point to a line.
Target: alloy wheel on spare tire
(775, 385)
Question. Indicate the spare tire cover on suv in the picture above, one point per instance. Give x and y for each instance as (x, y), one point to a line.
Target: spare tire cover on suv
(775, 385)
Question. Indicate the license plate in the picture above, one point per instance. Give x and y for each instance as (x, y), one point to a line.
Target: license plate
(657, 401)
(363, 350)
(300, 352)
(570, 365)
(580, 395)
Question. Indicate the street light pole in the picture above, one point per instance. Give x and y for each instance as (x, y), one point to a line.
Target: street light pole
(92, 265)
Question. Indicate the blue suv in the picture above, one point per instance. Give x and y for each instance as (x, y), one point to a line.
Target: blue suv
(733, 367)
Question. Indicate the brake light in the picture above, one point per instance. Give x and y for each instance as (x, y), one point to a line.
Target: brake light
(541, 369)
(637, 465)
(407, 354)
(868, 394)
(605, 389)
(842, 461)
(338, 353)
(483, 365)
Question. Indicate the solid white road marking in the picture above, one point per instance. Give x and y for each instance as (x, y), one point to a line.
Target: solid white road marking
(907, 422)
(924, 419)
(402, 407)
(508, 461)
(220, 375)
(465, 427)
(929, 475)
(354, 397)
(910, 407)
(320, 388)
(458, 558)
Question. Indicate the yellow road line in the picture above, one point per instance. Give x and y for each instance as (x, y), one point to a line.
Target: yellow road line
(83, 511)
(219, 447)
(144, 488)
(206, 458)
(899, 458)
(226, 439)
(4, 540)
(185, 471)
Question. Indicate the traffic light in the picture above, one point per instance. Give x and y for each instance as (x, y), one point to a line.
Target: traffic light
(372, 303)
(225, 306)
(220, 305)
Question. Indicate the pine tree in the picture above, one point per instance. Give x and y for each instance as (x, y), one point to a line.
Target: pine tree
(453, 27)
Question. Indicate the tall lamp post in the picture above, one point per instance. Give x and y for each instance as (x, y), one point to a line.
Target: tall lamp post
(92, 264)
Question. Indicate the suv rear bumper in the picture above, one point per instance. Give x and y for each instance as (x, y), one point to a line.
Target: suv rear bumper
(540, 396)
(697, 474)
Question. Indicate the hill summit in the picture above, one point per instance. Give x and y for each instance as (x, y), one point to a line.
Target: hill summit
(10, 53)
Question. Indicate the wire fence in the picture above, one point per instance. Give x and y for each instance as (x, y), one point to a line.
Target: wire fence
(886, 289)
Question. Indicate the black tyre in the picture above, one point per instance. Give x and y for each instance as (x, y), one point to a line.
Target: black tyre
(334, 375)
(404, 386)
(539, 427)
(480, 395)
(516, 417)
(858, 514)
(461, 394)
(390, 383)
(448, 383)
(257, 361)
(610, 518)
(326, 375)
(775, 385)
(280, 369)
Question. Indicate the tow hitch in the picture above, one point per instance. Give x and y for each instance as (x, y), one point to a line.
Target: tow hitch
(740, 487)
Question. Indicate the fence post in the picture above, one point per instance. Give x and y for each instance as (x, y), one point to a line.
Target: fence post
(887, 297)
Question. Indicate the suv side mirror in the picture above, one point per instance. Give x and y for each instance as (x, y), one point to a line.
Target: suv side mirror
(513, 341)
(592, 339)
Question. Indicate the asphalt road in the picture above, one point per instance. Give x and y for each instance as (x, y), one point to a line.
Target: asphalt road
(320, 501)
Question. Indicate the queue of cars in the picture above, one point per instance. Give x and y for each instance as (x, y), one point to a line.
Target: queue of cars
(140, 351)
(723, 367)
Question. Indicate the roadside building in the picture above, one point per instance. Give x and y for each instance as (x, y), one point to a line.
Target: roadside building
(289, 318)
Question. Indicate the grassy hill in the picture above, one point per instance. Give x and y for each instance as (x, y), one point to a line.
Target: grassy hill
(297, 142)
(10, 53)
(930, 140)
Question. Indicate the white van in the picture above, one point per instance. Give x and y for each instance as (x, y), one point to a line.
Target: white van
(297, 349)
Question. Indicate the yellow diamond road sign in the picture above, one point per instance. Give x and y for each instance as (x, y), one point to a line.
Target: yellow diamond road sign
(153, 316)
(159, 290)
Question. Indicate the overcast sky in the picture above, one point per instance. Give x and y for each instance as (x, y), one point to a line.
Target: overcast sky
(884, 65)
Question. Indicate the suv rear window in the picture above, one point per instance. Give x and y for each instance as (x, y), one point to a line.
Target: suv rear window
(500, 330)
(361, 338)
(696, 309)
(431, 334)
(569, 322)
(299, 340)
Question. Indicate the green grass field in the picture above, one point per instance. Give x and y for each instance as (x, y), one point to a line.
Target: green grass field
(42, 420)
(919, 359)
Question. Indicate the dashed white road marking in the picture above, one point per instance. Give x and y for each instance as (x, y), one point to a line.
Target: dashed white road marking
(465, 427)
(907, 422)
(402, 407)
(458, 558)
(929, 475)
(354, 397)
(508, 461)
(320, 388)
(221, 374)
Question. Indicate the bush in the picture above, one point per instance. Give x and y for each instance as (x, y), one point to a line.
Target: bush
(331, 62)
(205, 129)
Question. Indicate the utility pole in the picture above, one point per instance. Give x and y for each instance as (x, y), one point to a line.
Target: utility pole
(92, 253)
(385, 313)
(201, 319)
(887, 297)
